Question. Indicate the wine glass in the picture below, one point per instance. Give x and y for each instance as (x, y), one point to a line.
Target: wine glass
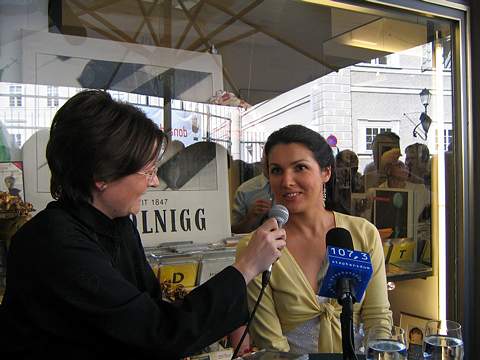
(359, 338)
(386, 343)
(443, 340)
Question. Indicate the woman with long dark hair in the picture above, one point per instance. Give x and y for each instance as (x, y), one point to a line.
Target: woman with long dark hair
(292, 316)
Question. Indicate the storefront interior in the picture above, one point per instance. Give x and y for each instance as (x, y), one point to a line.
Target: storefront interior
(232, 72)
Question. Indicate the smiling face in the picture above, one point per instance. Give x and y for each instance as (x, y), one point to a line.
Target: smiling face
(398, 170)
(123, 196)
(296, 178)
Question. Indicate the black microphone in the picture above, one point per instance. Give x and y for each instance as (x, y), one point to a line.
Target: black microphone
(279, 213)
(348, 274)
(339, 237)
(349, 271)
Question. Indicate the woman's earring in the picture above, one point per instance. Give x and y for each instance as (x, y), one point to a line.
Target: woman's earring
(324, 194)
(103, 187)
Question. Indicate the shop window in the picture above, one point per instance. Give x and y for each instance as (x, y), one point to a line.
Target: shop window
(380, 61)
(371, 133)
(447, 139)
(392, 60)
(17, 140)
(447, 53)
(427, 56)
(52, 96)
(15, 99)
(119, 95)
(365, 71)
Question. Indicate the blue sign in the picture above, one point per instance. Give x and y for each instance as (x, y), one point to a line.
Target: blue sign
(344, 263)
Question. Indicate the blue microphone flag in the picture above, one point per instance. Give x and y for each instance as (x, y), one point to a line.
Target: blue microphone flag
(346, 264)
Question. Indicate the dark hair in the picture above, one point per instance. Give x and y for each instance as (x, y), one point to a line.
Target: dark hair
(95, 138)
(415, 330)
(389, 137)
(421, 150)
(347, 158)
(316, 143)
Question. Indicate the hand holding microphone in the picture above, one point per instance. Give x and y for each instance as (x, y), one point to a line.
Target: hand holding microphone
(280, 214)
(265, 245)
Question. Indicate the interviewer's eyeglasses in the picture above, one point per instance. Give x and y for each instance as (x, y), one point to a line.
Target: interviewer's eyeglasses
(150, 175)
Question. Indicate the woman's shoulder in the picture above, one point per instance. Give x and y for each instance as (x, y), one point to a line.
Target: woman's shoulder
(415, 186)
(51, 223)
(47, 216)
(363, 231)
(43, 232)
(56, 215)
(344, 220)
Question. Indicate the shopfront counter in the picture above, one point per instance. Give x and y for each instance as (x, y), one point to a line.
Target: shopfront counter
(276, 355)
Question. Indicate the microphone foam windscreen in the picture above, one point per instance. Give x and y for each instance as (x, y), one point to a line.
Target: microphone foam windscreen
(280, 213)
(339, 237)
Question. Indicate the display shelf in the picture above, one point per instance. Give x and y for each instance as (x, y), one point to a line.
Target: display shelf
(183, 266)
(400, 272)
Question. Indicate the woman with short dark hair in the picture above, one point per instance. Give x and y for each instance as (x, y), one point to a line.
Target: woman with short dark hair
(95, 138)
(79, 285)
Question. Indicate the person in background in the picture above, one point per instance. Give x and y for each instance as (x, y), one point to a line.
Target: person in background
(348, 160)
(252, 202)
(417, 159)
(415, 344)
(415, 336)
(397, 174)
(395, 170)
(10, 184)
(348, 180)
(291, 316)
(373, 174)
(79, 285)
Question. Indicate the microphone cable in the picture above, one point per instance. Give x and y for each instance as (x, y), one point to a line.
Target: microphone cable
(280, 213)
(265, 280)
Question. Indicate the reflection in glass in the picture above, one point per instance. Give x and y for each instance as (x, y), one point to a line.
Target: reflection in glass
(354, 75)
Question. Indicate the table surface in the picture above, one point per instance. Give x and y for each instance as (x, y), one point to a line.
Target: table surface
(275, 355)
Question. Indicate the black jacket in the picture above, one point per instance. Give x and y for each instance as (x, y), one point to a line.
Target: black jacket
(79, 286)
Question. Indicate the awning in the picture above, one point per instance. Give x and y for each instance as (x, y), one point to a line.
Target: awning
(267, 47)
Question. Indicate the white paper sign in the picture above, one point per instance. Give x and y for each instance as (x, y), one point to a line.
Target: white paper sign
(198, 211)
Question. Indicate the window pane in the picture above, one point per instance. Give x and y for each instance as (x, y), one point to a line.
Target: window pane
(353, 77)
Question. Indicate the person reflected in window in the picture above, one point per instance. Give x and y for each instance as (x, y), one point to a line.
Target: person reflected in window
(397, 174)
(10, 184)
(348, 160)
(415, 343)
(252, 202)
(417, 159)
(291, 316)
(79, 284)
(348, 180)
(373, 174)
(415, 336)
(395, 170)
